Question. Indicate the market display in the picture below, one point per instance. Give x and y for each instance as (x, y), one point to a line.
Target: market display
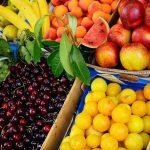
(30, 100)
(112, 117)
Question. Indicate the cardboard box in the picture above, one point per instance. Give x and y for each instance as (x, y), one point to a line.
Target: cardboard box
(66, 114)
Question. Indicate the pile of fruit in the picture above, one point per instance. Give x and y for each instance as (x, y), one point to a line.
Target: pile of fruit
(112, 119)
(30, 99)
(128, 42)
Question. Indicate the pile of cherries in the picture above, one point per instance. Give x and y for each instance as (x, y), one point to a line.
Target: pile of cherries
(30, 100)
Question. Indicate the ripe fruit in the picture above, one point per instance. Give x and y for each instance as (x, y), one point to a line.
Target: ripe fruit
(84, 4)
(98, 95)
(121, 113)
(109, 143)
(140, 95)
(87, 23)
(113, 89)
(93, 140)
(105, 106)
(145, 138)
(127, 96)
(80, 32)
(65, 146)
(107, 55)
(139, 108)
(119, 35)
(148, 108)
(101, 123)
(146, 120)
(147, 15)
(135, 124)
(99, 84)
(147, 91)
(51, 33)
(136, 52)
(60, 10)
(75, 130)
(141, 34)
(78, 142)
(132, 14)
(134, 141)
(83, 120)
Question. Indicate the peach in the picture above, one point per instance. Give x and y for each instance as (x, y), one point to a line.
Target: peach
(56, 2)
(106, 8)
(51, 33)
(66, 3)
(94, 6)
(84, 4)
(147, 15)
(58, 40)
(114, 5)
(80, 32)
(87, 23)
(77, 12)
(60, 10)
(72, 3)
(56, 22)
(79, 20)
(60, 31)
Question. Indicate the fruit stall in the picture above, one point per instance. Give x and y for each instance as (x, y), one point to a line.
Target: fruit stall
(74, 75)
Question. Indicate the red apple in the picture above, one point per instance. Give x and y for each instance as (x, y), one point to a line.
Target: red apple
(132, 14)
(142, 35)
(144, 2)
(134, 56)
(121, 5)
(107, 55)
(119, 35)
(147, 15)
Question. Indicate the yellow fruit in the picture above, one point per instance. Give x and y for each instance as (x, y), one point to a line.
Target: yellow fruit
(93, 140)
(105, 135)
(76, 131)
(101, 123)
(66, 139)
(135, 124)
(99, 84)
(127, 96)
(106, 105)
(109, 143)
(86, 148)
(78, 142)
(147, 91)
(98, 95)
(113, 89)
(139, 108)
(88, 97)
(140, 95)
(119, 131)
(91, 130)
(114, 99)
(146, 120)
(121, 113)
(65, 146)
(121, 148)
(96, 149)
(133, 142)
(91, 108)
(83, 120)
(148, 108)
(146, 139)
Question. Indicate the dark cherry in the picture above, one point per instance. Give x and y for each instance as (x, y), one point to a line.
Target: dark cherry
(39, 78)
(19, 92)
(4, 137)
(46, 128)
(19, 112)
(44, 102)
(23, 98)
(13, 129)
(5, 106)
(9, 114)
(60, 90)
(44, 111)
(32, 111)
(2, 120)
(46, 81)
(45, 75)
(15, 119)
(43, 65)
(33, 97)
(46, 97)
(8, 145)
(17, 136)
(40, 123)
(23, 121)
(30, 88)
(6, 99)
(19, 103)
(21, 128)
(19, 145)
(38, 101)
(13, 108)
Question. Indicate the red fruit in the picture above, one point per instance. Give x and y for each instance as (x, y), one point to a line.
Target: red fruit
(119, 35)
(132, 14)
(144, 2)
(51, 34)
(148, 67)
(147, 15)
(142, 35)
(46, 128)
(107, 55)
(121, 5)
(134, 56)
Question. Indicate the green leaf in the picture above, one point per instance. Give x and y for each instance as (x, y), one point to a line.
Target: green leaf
(52, 44)
(72, 23)
(54, 61)
(4, 46)
(64, 53)
(30, 47)
(37, 52)
(79, 66)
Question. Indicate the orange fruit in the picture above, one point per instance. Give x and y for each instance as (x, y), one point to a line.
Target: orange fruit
(147, 91)
(84, 4)
(113, 89)
(77, 12)
(139, 108)
(106, 8)
(60, 10)
(101, 123)
(119, 131)
(106, 1)
(106, 105)
(127, 96)
(148, 108)
(80, 32)
(140, 95)
(72, 4)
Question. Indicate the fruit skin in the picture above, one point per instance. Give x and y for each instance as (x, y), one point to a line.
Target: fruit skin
(51, 33)
(36, 8)
(132, 14)
(147, 91)
(146, 120)
(146, 139)
(136, 52)
(3, 22)
(142, 35)
(119, 35)
(14, 18)
(147, 15)
(107, 55)
(97, 34)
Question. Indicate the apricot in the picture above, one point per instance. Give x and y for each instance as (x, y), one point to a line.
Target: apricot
(56, 2)
(72, 4)
(84, 4)
(60, 10)
(77, 12)
(51, 33)
(87, 23)
(60, 31)
(79, 20)
(94, 6)
(114, 5)
(58, 40)
(80, 31)
(106, 1)
(56, 22)
(66, 3)
(98, 14)
(106, 8)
